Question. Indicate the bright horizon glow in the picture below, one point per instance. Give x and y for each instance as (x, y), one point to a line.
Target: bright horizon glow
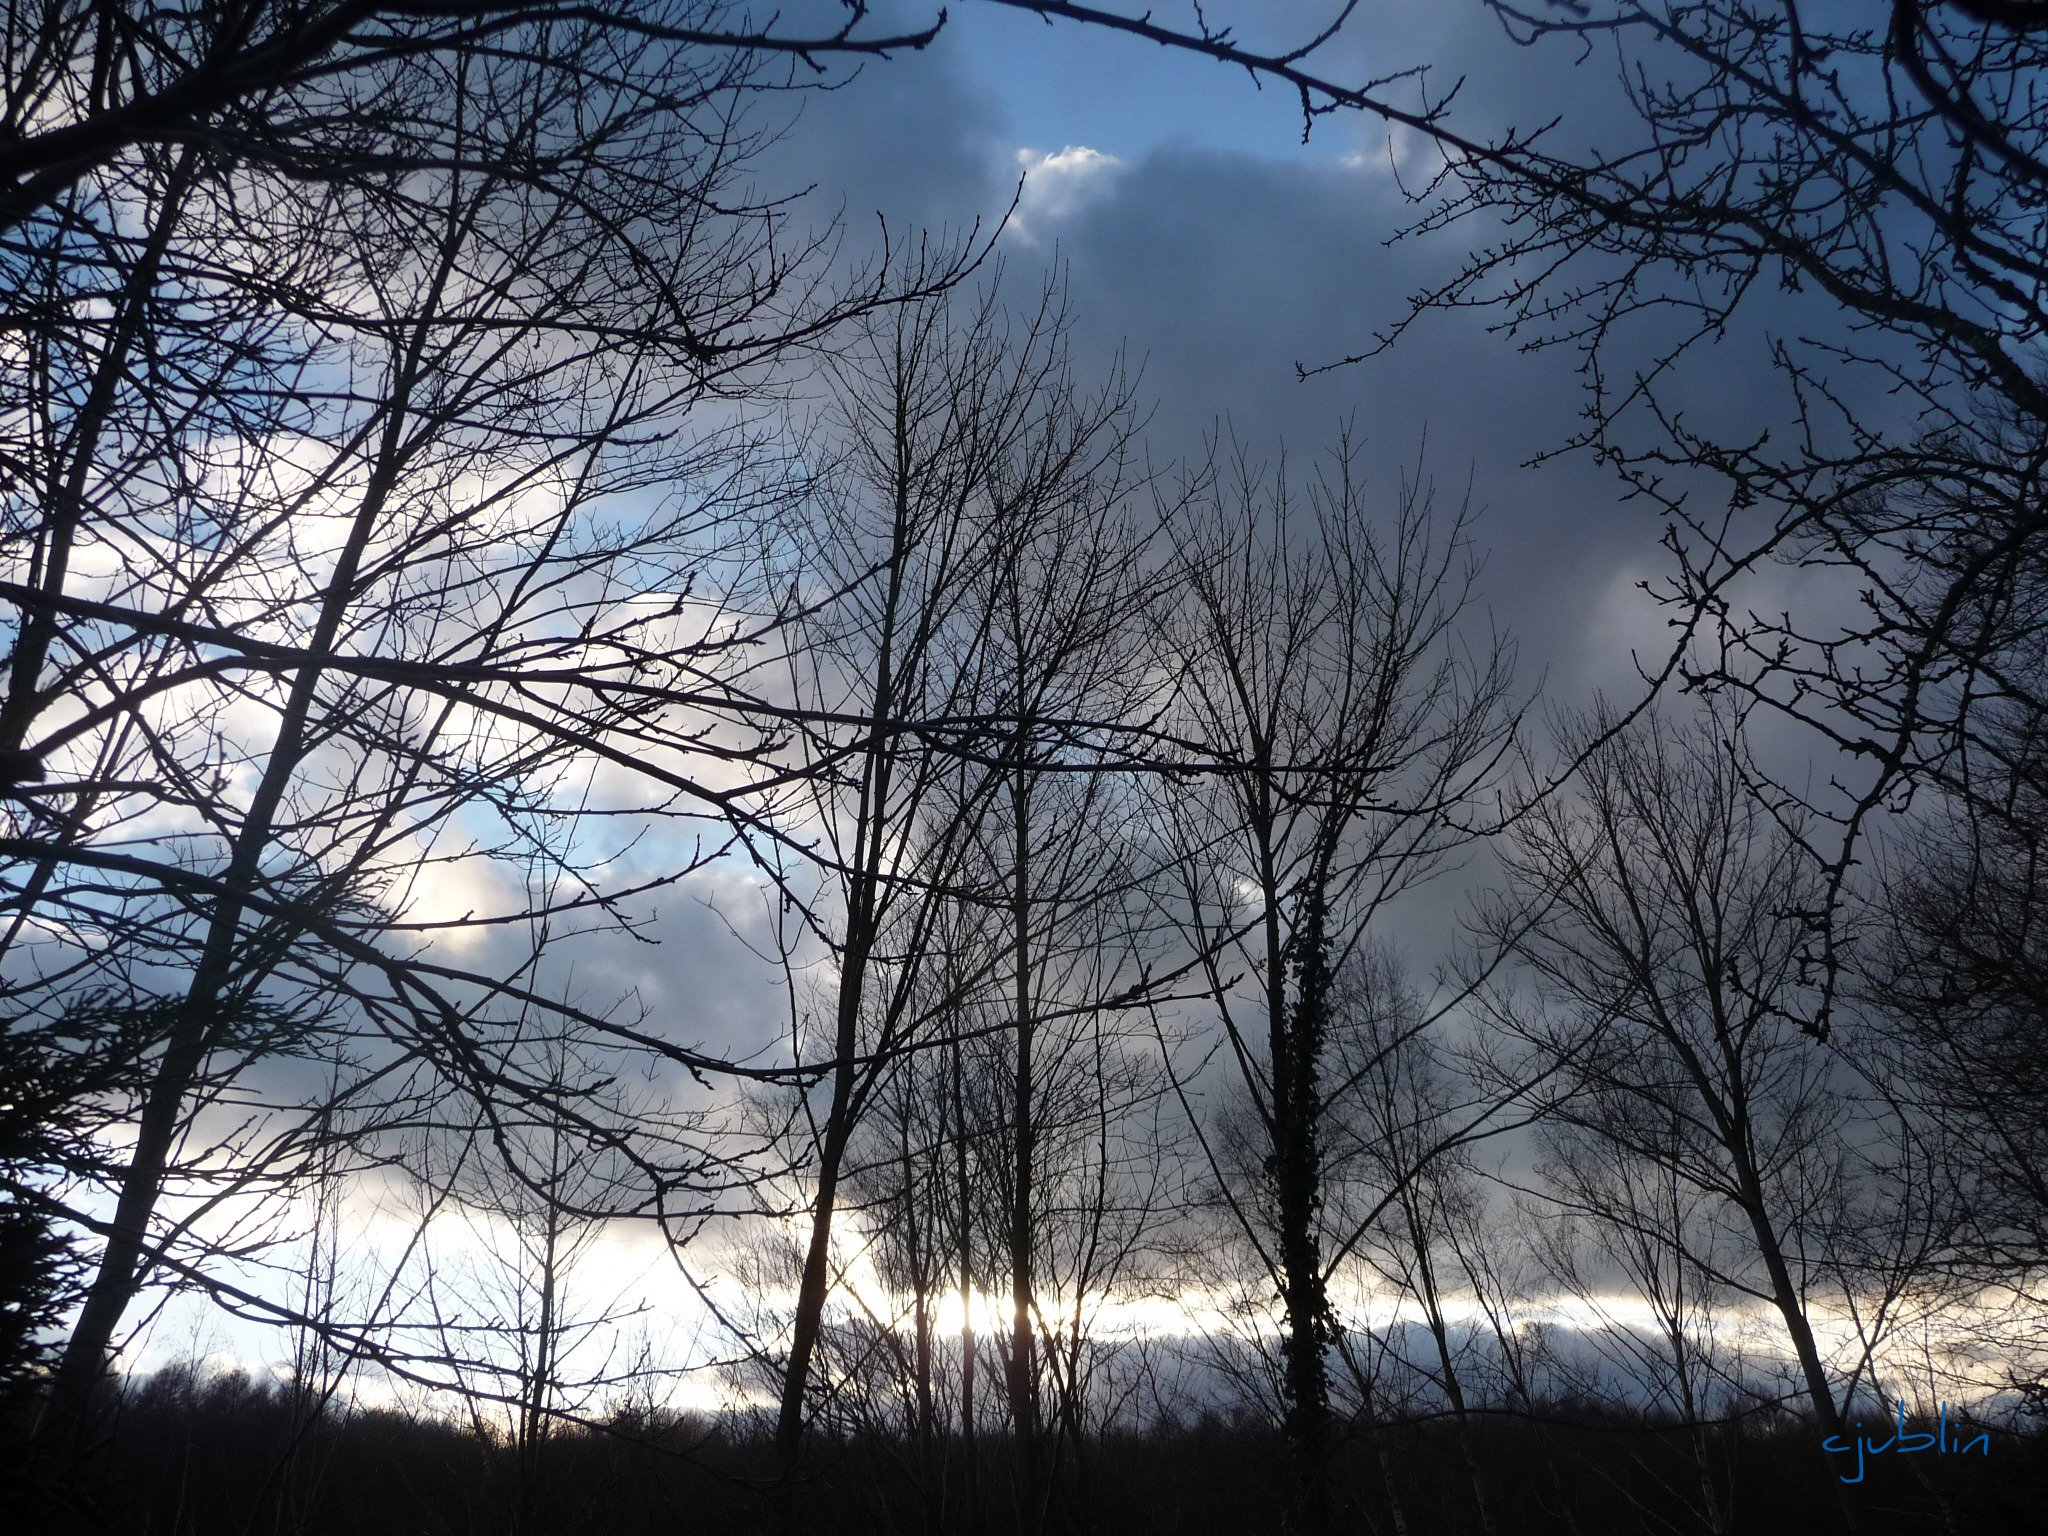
(624, 1271)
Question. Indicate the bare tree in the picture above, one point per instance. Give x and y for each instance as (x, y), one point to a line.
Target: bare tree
(1070, 582)
(1853, 191)
(958, 433)
(326, 591)
(1319, 664)
(1400, 1171)
(1639, 1221)
(301, 88)
(1657, 916)
(540, 1336)
(1957, 985)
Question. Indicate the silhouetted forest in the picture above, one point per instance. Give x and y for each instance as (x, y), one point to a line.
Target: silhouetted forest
(197, 1452)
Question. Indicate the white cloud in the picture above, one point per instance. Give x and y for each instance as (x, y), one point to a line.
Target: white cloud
(1059, 186)
(1400, 154)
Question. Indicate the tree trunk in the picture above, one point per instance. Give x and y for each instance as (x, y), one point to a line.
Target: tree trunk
(1023, 1363)
(1793, 1310)
(205, 1003)
(810, 1296)
(970, 1488)
(1297, 1178)
(1439, 1334)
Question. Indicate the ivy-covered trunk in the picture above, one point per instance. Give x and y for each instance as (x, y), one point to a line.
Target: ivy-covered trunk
(1297, 1173)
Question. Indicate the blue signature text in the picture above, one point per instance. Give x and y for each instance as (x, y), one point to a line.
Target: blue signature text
(1904, 1443)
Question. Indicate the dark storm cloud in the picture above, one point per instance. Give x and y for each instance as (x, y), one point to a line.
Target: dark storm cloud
(910, 138)
(1218, 270)
(1221, 272)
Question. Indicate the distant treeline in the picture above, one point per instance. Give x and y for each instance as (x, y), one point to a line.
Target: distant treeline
(192, 1453)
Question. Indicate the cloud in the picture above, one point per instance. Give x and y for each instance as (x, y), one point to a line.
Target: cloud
(911, 141)
(1057, 187)
(1403, 156)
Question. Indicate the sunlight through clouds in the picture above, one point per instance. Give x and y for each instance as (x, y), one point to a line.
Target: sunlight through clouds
(1057, 188)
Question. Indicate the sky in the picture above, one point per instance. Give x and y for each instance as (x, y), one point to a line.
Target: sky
(1199, 232)
(1203, 239)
